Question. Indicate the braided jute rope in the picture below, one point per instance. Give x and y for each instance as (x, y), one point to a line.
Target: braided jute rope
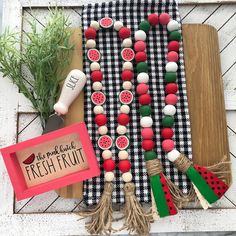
(182, 163)
(154, 167)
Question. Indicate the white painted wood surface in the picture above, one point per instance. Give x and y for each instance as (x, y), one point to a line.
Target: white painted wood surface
(19, 122)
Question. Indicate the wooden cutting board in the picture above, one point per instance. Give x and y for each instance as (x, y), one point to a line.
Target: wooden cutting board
(205, 97)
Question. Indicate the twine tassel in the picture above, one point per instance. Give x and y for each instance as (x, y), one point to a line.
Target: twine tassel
(206, 181)
(101, 215)
(136, 220)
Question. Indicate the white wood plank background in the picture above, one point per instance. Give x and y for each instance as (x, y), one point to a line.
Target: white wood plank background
(18, 117)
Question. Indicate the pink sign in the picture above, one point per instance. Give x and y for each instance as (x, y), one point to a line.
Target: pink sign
(51, 161)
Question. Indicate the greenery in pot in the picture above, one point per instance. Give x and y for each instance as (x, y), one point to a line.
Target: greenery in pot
(42, 57)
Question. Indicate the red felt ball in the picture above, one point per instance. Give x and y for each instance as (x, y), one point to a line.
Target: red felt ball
(173, 46)
(140, 56)
(100, 119)
(123, 119)
(171, 88)
(148, 144)
(124, 33)
(167, 133)
(145, 99)
(140, 46)
(164, 18)
(109, 165)
(90, 33)
(96, 75)
(142, 88)
(124, 166)
(127, 75)
(153, 19)
(147, 133)
(168, 145)
(171, 99)
(172, 56)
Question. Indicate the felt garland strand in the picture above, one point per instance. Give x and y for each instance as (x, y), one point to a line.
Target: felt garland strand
(101, 216)
(207, 185)
(159, 185)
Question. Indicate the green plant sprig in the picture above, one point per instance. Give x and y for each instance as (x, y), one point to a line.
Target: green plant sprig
(44, 55)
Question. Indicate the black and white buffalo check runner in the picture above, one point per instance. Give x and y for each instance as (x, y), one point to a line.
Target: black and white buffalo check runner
(131, 12)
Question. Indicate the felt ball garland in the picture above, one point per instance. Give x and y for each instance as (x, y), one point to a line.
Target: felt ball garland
(97, 76)
(164, 204)
(206, 191)
(105, 142)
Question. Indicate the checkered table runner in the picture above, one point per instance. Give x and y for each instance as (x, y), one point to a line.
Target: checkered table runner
(131, 13)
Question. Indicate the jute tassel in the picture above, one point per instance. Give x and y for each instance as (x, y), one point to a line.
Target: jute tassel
(136, 220)
(101, 215)
(154, 167)
(205, 193)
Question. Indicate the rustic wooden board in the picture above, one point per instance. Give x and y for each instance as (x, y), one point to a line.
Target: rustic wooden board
(205, 97)
(76, 110)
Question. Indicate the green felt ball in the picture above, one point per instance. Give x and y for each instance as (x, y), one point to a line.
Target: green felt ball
(168, 121)
(150, 155)
(145, 110)
(170, 77)
(142, 67)
(145, 26)
(175, 35)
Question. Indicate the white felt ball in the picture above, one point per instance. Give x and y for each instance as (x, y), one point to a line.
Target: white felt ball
(102, 130)
(169, 110)
(140, 35)
(109, 176)
(127, 85)
(127, 43)
(125, 109)
(98, 110)
(97, 86)
(173, 25)
(90, 43)
(121, 129)
(94, 24)
(127, 177)
(123, 155)
(143, 77)
(173, 155)
(146, 121)
(106, 154)
(171, 67)
(127, 66)
(118, 25)
(94, 66)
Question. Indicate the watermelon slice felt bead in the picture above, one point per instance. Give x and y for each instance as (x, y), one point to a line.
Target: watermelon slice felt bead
(122, 142)
(105, 142)
(127, 54)
(98, 98)
(93, 55)
(106, 23)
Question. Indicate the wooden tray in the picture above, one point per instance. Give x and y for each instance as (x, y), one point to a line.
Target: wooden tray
(205, 97)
